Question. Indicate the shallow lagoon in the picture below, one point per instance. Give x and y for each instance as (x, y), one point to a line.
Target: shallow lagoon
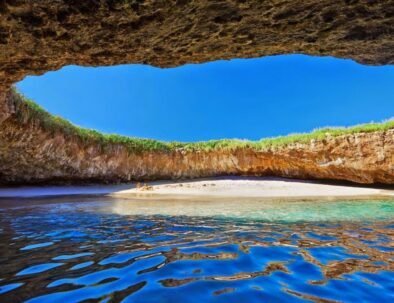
(103, 249)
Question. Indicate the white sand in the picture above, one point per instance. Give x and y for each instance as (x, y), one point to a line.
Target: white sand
(215, 187)
(252, 187)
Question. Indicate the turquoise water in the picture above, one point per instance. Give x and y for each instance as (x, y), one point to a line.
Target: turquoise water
(255, 209)
(122, 250)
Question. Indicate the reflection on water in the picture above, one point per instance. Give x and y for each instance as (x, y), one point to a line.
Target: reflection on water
(113, 250)
(255, 209)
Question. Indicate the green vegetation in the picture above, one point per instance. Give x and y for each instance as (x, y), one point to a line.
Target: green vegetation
(29, 111)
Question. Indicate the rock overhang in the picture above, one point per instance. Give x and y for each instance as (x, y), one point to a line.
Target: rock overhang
(45, 35)
(39, 36)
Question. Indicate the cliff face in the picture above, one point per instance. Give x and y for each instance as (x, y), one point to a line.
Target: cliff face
(31, 154)
(38, 36)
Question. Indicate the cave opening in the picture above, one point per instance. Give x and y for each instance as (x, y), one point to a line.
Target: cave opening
(41, 36)
(241, 98)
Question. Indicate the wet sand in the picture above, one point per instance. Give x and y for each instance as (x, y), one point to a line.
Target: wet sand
(212, 187)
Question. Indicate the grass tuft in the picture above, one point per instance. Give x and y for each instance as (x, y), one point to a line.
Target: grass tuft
(29, 111)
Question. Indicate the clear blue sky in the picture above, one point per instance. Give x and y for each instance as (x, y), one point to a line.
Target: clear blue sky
(243, 98)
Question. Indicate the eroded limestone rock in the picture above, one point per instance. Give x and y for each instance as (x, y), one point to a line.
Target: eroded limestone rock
(29, 153)
(38, 36)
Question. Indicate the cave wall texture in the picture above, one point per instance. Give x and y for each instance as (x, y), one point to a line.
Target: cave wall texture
(39, 36)
(35, 155)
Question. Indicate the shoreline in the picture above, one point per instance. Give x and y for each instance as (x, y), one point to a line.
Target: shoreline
(220, 187)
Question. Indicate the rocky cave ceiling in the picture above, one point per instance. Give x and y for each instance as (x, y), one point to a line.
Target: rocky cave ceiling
(42, 35)
(38, 36)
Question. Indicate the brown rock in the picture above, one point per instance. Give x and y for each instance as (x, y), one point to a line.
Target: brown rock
(38, 36)
(31, 154)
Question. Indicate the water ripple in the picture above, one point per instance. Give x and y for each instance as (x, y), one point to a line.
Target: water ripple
(107, 257)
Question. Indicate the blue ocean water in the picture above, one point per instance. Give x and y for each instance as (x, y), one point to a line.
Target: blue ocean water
(123, 250)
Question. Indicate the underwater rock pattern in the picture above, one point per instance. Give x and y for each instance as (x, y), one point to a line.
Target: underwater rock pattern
(69, 252)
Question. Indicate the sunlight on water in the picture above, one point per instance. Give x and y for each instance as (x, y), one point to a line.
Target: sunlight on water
(124, 250)
(289, 211)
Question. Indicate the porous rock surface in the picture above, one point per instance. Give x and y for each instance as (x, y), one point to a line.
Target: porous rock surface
(38, 36)
(32, 154)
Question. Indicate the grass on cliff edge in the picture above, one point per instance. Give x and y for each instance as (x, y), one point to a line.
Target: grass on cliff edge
(29, 111)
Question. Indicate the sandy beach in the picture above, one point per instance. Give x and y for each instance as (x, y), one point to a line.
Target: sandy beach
(252, 187)
(213, 187)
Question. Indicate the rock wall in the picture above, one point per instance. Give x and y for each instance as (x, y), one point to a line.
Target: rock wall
(38, 36)
(31, 154)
